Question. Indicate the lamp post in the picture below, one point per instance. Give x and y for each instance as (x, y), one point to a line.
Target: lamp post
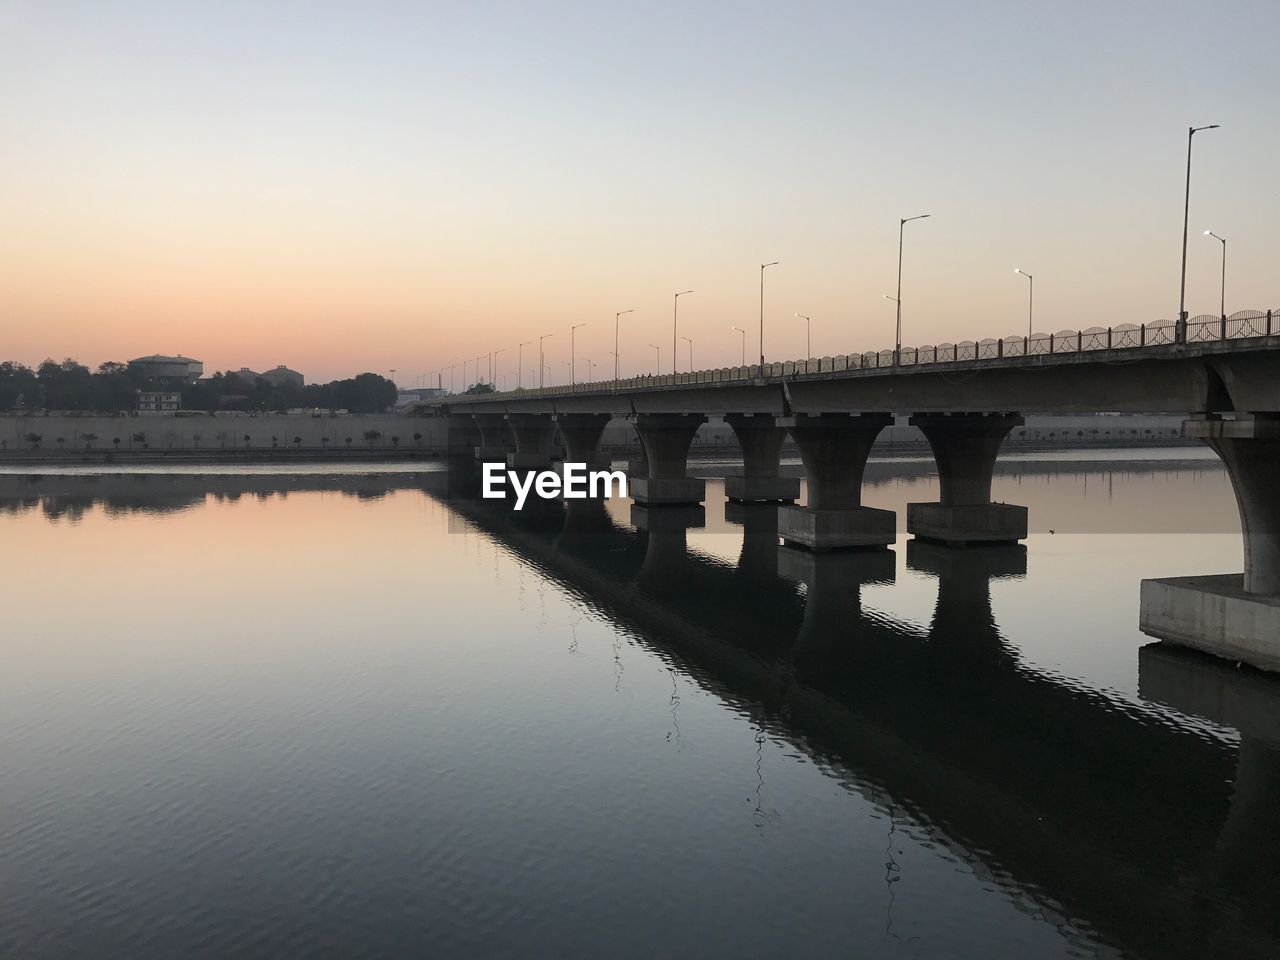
(520, 365)
(690, 343)
(591, 368)
(657, 358)
(573, 371)
(1031, 294)
(743, 358)
(902, 222)
(496, 354)
(808, 337)
(542, 364)
(773, 263)
(675, 308)
(1186, 213)
(478, 380)
(1222, 305)
(569, 364)
(615, 340)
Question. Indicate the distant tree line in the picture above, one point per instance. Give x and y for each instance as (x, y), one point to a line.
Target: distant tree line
(113, 387)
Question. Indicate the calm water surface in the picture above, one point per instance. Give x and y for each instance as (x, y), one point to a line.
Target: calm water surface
(298, 713)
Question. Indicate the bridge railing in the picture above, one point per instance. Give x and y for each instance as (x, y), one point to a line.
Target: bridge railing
(1243, 324)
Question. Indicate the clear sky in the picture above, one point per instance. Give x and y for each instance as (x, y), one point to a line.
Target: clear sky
(376, 185)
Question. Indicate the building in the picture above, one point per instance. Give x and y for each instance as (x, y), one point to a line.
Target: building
(282, 376)
(171, 371)
(158, 402)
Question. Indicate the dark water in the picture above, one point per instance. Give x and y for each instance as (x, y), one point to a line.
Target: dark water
(354, 715)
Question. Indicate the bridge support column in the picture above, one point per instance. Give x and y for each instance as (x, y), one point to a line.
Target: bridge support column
(461, 439)
(1236, 616)
(834, 448)
(965, 446)
(761, 440)
(535, 440)
(666, 438)
(495, 438)
(581, 432)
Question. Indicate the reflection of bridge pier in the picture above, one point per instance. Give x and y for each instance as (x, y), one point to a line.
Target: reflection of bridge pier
(758, 559)
(1249, 843)
(1236, 616)
(833, 593)
(666, 551)
(963, 608)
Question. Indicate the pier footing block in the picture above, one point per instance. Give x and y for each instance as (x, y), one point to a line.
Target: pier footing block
(822, 530)
(1213, 614)
(968, 523)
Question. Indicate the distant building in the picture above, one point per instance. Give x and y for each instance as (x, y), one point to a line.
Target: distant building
(167, 370)
(245, 374)
(159, 402)
(282, 376)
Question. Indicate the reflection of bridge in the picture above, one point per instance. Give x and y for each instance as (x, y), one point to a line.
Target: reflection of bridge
(1112, 815)
(1224, 372)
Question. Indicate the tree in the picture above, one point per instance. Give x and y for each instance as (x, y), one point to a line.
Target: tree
(116, 441)
(372, 436)
(348, 441)
(138, 437)
(195, 439)
(60, 441)
(478, 388)
(88, 439)
(33, 439)
(417, 438)
(395, 441)
(297, 442)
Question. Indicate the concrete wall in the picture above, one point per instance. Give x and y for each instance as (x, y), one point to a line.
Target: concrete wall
(203, 432)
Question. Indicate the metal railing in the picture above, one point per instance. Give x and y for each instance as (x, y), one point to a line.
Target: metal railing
(1244, 324)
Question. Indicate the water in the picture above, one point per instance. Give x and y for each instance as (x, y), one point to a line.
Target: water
(306, 714)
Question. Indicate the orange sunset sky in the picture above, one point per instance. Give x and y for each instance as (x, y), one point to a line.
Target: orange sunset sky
(342, 187)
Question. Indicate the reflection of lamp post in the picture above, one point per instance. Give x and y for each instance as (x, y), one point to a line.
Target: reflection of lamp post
(675, 307)
(897, 349)
(1186, 212)
(520, 366)
(1031, 294)
(808, 337)
(573, 373)
(1222, 304)
(615, 340)
(773, 263)
(743, 359)
(690, 343)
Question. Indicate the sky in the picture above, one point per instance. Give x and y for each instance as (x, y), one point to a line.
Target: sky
(342, 187)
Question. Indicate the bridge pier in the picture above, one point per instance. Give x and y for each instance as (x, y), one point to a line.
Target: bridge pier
(666, 438)
(834, 448)
(535, 435)
(1236, 616)
(581, 433)
(761, 440)
(496, 440)
(965, 446)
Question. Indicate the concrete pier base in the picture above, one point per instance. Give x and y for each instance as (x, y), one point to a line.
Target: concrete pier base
(667, 491)
(849, 528)
(762, 489)
(1214, 614)
(960, 524)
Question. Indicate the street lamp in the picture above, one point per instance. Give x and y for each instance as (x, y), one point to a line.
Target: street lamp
(541, 362)
(591, 368)
(569, 364)
(690, 343)
(657, 358)
(496, 354)
(573, 372)
(615, 340)
(1031, 294)
(520, 365)
(1186, 212)
(743, 359)
(675, 306)
(897, 349)
(1222, 306)
(773, 263)
(808, 338)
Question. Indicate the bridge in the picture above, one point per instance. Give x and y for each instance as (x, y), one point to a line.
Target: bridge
(1223, 373)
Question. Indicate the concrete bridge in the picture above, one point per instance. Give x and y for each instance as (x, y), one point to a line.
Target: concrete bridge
(1223, 373)
(1026, 777)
